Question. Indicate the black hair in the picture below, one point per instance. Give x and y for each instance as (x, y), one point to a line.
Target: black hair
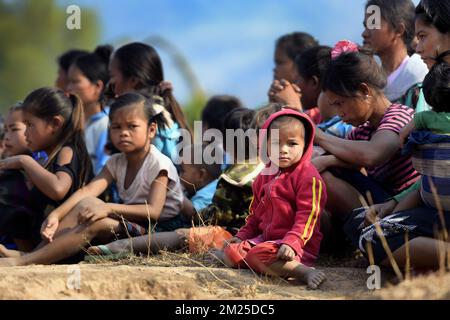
(295, 43)
(68, 57)
(436, 87)
(396, 12)
(435, 13)
(94, 66)
(141, 62)
(263, 113)
(348, 71)
(217, 108)
(213, 169)
(290, 120)
(238, 118)
(134, 98)
(313, 62)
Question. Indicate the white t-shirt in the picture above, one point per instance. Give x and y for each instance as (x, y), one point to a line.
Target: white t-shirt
(137, 192)
(412, 71)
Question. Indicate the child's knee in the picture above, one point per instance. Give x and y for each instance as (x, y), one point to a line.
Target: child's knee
(261, 256)
(232, 255)
(103, 228)
(87, 202)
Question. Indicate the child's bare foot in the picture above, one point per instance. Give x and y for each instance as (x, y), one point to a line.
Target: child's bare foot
(214, 256)
(8, 253)
(8, 262)
(313, 278)
(119, 246)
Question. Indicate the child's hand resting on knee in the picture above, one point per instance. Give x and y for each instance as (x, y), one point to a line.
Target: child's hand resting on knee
(93, 213)
(49, 227)
(286, 253)
(232, 240)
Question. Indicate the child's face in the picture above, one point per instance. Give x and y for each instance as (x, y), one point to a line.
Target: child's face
(290, 145)
(284, 67)
(190, 176)
(40, 134)
(120, 84)
(15, 141)
(129, 129)
(353, 110)
(80, 85)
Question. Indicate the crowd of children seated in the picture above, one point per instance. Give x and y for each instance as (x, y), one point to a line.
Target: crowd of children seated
(349, 153)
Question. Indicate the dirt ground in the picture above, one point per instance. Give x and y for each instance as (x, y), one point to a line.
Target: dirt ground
(180, 276)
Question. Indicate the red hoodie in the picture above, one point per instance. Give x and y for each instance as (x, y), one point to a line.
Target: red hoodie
(286, 205)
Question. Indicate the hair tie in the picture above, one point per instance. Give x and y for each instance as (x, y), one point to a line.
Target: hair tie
(343, 46)
(165, 86)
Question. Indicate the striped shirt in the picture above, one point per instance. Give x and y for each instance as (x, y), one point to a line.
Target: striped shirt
(397, 173)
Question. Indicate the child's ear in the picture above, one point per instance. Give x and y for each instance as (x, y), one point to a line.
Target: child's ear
(152, 130)
(365, 90)
(401, 29)
(99, 85)
(57, 122)
(315, 82)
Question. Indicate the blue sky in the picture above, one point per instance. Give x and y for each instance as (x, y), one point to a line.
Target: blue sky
(228, 43)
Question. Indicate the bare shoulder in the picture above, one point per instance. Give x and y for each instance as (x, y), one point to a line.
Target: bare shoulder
(65, 156)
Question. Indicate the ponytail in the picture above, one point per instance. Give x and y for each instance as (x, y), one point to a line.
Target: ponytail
(172, 105)
(141, 62)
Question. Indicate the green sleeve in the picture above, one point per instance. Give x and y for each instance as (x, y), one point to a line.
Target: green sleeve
(404, 193)
(438, 122)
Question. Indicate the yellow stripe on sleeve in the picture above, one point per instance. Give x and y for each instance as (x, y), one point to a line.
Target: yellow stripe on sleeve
(305, 231)
(318, 211)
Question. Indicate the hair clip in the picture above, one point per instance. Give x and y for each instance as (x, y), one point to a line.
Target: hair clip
(343, 46)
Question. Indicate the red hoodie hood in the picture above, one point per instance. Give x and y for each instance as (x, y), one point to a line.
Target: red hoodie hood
(310, 131)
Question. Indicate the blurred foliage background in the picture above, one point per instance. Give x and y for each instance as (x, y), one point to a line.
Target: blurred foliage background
(33, 34)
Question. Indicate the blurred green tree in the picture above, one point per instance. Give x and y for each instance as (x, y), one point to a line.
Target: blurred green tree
(32, 35)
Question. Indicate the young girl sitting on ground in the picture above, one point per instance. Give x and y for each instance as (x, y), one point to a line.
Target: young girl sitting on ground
(54, 124)
(147, 182)
(14, 192)
(281, 236)
(199, 181)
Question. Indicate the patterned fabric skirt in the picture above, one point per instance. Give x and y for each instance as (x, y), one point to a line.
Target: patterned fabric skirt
(396, 228)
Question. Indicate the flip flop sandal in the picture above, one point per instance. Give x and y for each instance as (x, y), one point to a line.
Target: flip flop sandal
(106, 254)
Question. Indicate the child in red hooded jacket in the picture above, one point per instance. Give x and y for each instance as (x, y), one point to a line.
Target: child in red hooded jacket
(281, 236)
